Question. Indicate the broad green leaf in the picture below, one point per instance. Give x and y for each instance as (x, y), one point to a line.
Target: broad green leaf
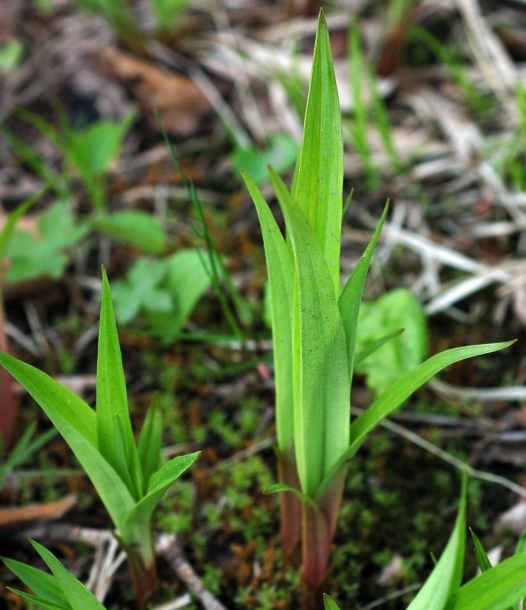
(280, 268)
(351, 296)
(444, 580)
(111, 489)
(119, 462)
(320, 363)
(329, 603)
(392, 311)
(31, 256)
(43, 584)
(133, 227)
(54, 398)
(150, 439)
(281, 152)
(78, 596)
(318, 180)
(91, 149)
(111, 396)
(482, 559)
(185, 282)
(393, 397)
(496, 589)
(141, 289)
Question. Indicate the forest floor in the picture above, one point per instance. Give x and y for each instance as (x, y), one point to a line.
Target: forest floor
(433, 98)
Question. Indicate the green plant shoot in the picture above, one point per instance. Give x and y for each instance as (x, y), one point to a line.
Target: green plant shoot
(314, 332)
(60, 589)
(497, 588)
(129, 478)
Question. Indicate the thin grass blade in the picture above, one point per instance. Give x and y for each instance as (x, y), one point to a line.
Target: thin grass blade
(38, 601)
(318, 180)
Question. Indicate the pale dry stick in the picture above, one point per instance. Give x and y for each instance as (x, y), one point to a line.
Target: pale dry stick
(106, 562)
(166, 545)
(490, 55)
(391, 596)
(447, 457)
(207, 87)
(249, 106)
(509, 394)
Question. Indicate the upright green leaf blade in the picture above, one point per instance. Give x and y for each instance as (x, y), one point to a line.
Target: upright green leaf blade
(112, 401)
(445, 578)
(329, 603)
(318, 181)
(320, 364)
(280, 268)
(150, 439)
(482, 558)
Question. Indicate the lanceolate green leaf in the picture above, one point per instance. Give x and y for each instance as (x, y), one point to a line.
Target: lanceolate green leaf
(43, 584)
(496, 589)
(445, 578)
(318, 180)
(49, 393)
(321, 369)
(393, 397)
(38, 601)
(150, 440)
(159, 483)
(351, 296)
(74, 591)
(111, 396)
(482, 559)
(329, 603)
(281, 273)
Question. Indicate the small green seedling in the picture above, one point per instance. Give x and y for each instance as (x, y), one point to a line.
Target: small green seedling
(59, 590)
(129, 478)
(164, 291)
(31, 256)
(314, 332)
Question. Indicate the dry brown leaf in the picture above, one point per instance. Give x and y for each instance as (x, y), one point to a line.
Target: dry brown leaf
(179, 102)
(20, 516)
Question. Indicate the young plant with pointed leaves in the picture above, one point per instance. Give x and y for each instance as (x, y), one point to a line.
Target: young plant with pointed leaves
(129, 478)
(314, 332)
(501, 587)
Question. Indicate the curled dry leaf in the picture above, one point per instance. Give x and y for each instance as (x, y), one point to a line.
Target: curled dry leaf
(179, 102)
